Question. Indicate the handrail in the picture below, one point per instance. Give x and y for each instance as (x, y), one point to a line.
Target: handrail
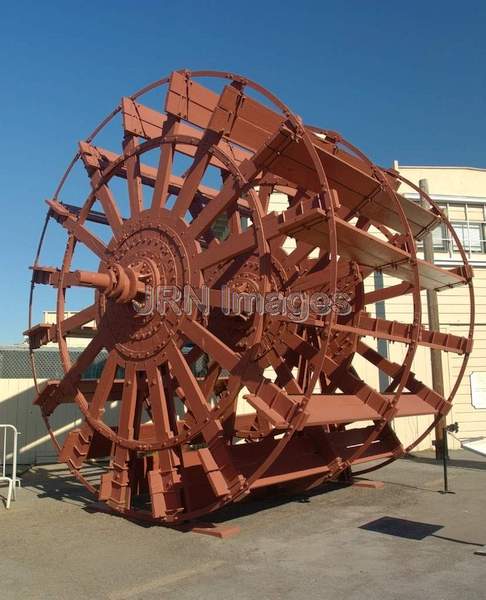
(13, 480)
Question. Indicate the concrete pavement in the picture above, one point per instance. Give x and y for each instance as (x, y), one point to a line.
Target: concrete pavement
(405, 541)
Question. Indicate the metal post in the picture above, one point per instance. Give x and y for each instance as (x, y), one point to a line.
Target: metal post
(444, 460)
(434, 325)
(382, 345)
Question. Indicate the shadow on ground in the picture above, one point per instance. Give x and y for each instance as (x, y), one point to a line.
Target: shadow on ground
(57, 483)
(410, 530)
(54, 481)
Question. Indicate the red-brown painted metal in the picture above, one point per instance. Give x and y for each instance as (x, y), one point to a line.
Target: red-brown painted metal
(185, 202)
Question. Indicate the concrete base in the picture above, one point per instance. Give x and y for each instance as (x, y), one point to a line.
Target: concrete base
(368, 483)
(222, 531)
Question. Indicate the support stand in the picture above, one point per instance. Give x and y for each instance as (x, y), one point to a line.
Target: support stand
(453, 428)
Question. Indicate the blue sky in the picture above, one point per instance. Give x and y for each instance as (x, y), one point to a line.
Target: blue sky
(402, 81)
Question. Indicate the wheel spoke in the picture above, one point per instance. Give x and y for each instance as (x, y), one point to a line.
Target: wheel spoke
(128, 409)
(161, 410)
(44, 333)
(134, 179)
(97, 405)
(194, 397)
(194, 175)
(393, 331)
(71, 224)
(318, 275)
(234, 220)
(348, 383)
(400, 332)
(108, 203)
(209, 343)
(161, 187)
(230, 192)
(264, 194)
(243, 241)
(77, 320)
(115, 485)
(285, 377)
(297, 344)
(164, 170)
(387, 293)
(209, 382)
(78, 443)
(395, 371)
(149, 174)
(71, 379)
(92, 162)
(300, 253)
(235, 245)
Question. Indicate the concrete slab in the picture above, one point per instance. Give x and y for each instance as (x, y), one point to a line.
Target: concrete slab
(404, 541)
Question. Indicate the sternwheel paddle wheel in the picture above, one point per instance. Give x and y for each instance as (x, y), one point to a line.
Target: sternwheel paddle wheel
(201, 399)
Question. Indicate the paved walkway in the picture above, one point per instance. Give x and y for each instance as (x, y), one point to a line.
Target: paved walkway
(405, 541)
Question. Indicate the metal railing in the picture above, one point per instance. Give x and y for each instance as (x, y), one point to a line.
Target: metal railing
(12, 481)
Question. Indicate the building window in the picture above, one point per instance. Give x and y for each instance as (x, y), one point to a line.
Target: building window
(469, 223)
(440, 239)
(471, 235)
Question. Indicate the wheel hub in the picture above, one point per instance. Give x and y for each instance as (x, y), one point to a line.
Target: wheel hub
(155, 251)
